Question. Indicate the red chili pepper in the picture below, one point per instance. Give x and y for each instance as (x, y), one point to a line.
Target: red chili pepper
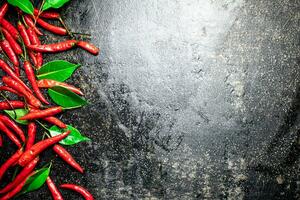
(42, 113)
(88, 47)
(31, 135)
(32, 100)
(67, 157)
(9, 134)
(79, 189)
(47, 83)
(9, 52)
(34, 40)
(56, 122)
(31, 78)
(53, 189)
(16, 190)
(11, 105)
(8, 89)
(23, 33)
(13, 126)
(39, 147)
(13, 43)
(31, 24)
(3, 10)
(10, 162)
(47, 14)
(49, 27)
(8, 26)
(5, 67)
(21, 176)
(55, 47)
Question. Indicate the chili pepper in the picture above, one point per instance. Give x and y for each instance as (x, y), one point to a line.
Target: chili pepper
(23, 33)
(32, 100)
(55, 47)
(47, 83)
(13, 126)
(20, 177)
(86, 194)
(8, 89)
(39, 147)
(56, 122)
(8, 26)
(88, 47)
(67, 157)
(31, 24)
(35, 41)
(11, 105)
(49, 27)
(9, 134)
(53, 189)
(13, 43)
(47, 14)
(5, 67)
(16, 190)
(9, 52)
(42, 113)
(10, 162)
(31, 135)
(3, 10)
(31, 77)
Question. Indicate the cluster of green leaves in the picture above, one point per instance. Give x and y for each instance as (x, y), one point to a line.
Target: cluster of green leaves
(27, 7)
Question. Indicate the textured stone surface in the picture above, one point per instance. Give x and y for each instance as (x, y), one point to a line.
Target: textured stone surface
(190, 99)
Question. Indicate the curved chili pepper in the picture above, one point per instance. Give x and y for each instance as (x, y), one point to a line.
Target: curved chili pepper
(55, 47)
(32, 100)
(55, 121)
(13, 126)
(10, 162)
(39, 147)
(9, 134)
(47, 83)
(5, 67)
(8, 26)
(13, 43)
(88, 47)
(23, 33)
(67, 157)
(42, 113)
(21, 176)
(53, 189)
(31, 24)
(86, 194)
(8, 89)
(31, 135)
(11, 105)
(3, 10)
(34, 39)
(49, 27)
(31, 78)
(47, 14)
(9, 52)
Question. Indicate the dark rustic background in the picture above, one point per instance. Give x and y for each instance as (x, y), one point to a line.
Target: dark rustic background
(190, 99)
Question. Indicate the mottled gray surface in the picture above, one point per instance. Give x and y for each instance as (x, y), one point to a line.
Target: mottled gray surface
(190, 99)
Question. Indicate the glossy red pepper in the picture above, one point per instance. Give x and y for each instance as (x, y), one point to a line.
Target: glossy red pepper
(53, 189)
(9, 52)
(8, 163)
(31, 135)
(23, 33)
(8, 26)
(86, 194)
(47, 14)
(54, 48)
(3, 10)
(31, 78)
(13, 126)
(88, 47)
(42, 113)
(34, 40)
(55, 121)
(31, 24)
(67, 157)
(10, 134)
(8, 89)
(39, 147)
(13, 43)
(11, 105)
(53, 29)
(46, 83)
(27, 170)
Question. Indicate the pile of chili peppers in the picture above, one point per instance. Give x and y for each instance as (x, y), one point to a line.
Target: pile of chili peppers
(23, 52)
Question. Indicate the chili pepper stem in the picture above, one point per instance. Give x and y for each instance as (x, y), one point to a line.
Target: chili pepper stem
(15, 172)
(65, 26)
(42, 125)
(40, 12)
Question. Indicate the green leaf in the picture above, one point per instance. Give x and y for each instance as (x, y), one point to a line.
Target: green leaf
(24, 5)
(20, 113)
(73, 138)
(58, 70)
(54, 4)
(37, 180)
(66, 98)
